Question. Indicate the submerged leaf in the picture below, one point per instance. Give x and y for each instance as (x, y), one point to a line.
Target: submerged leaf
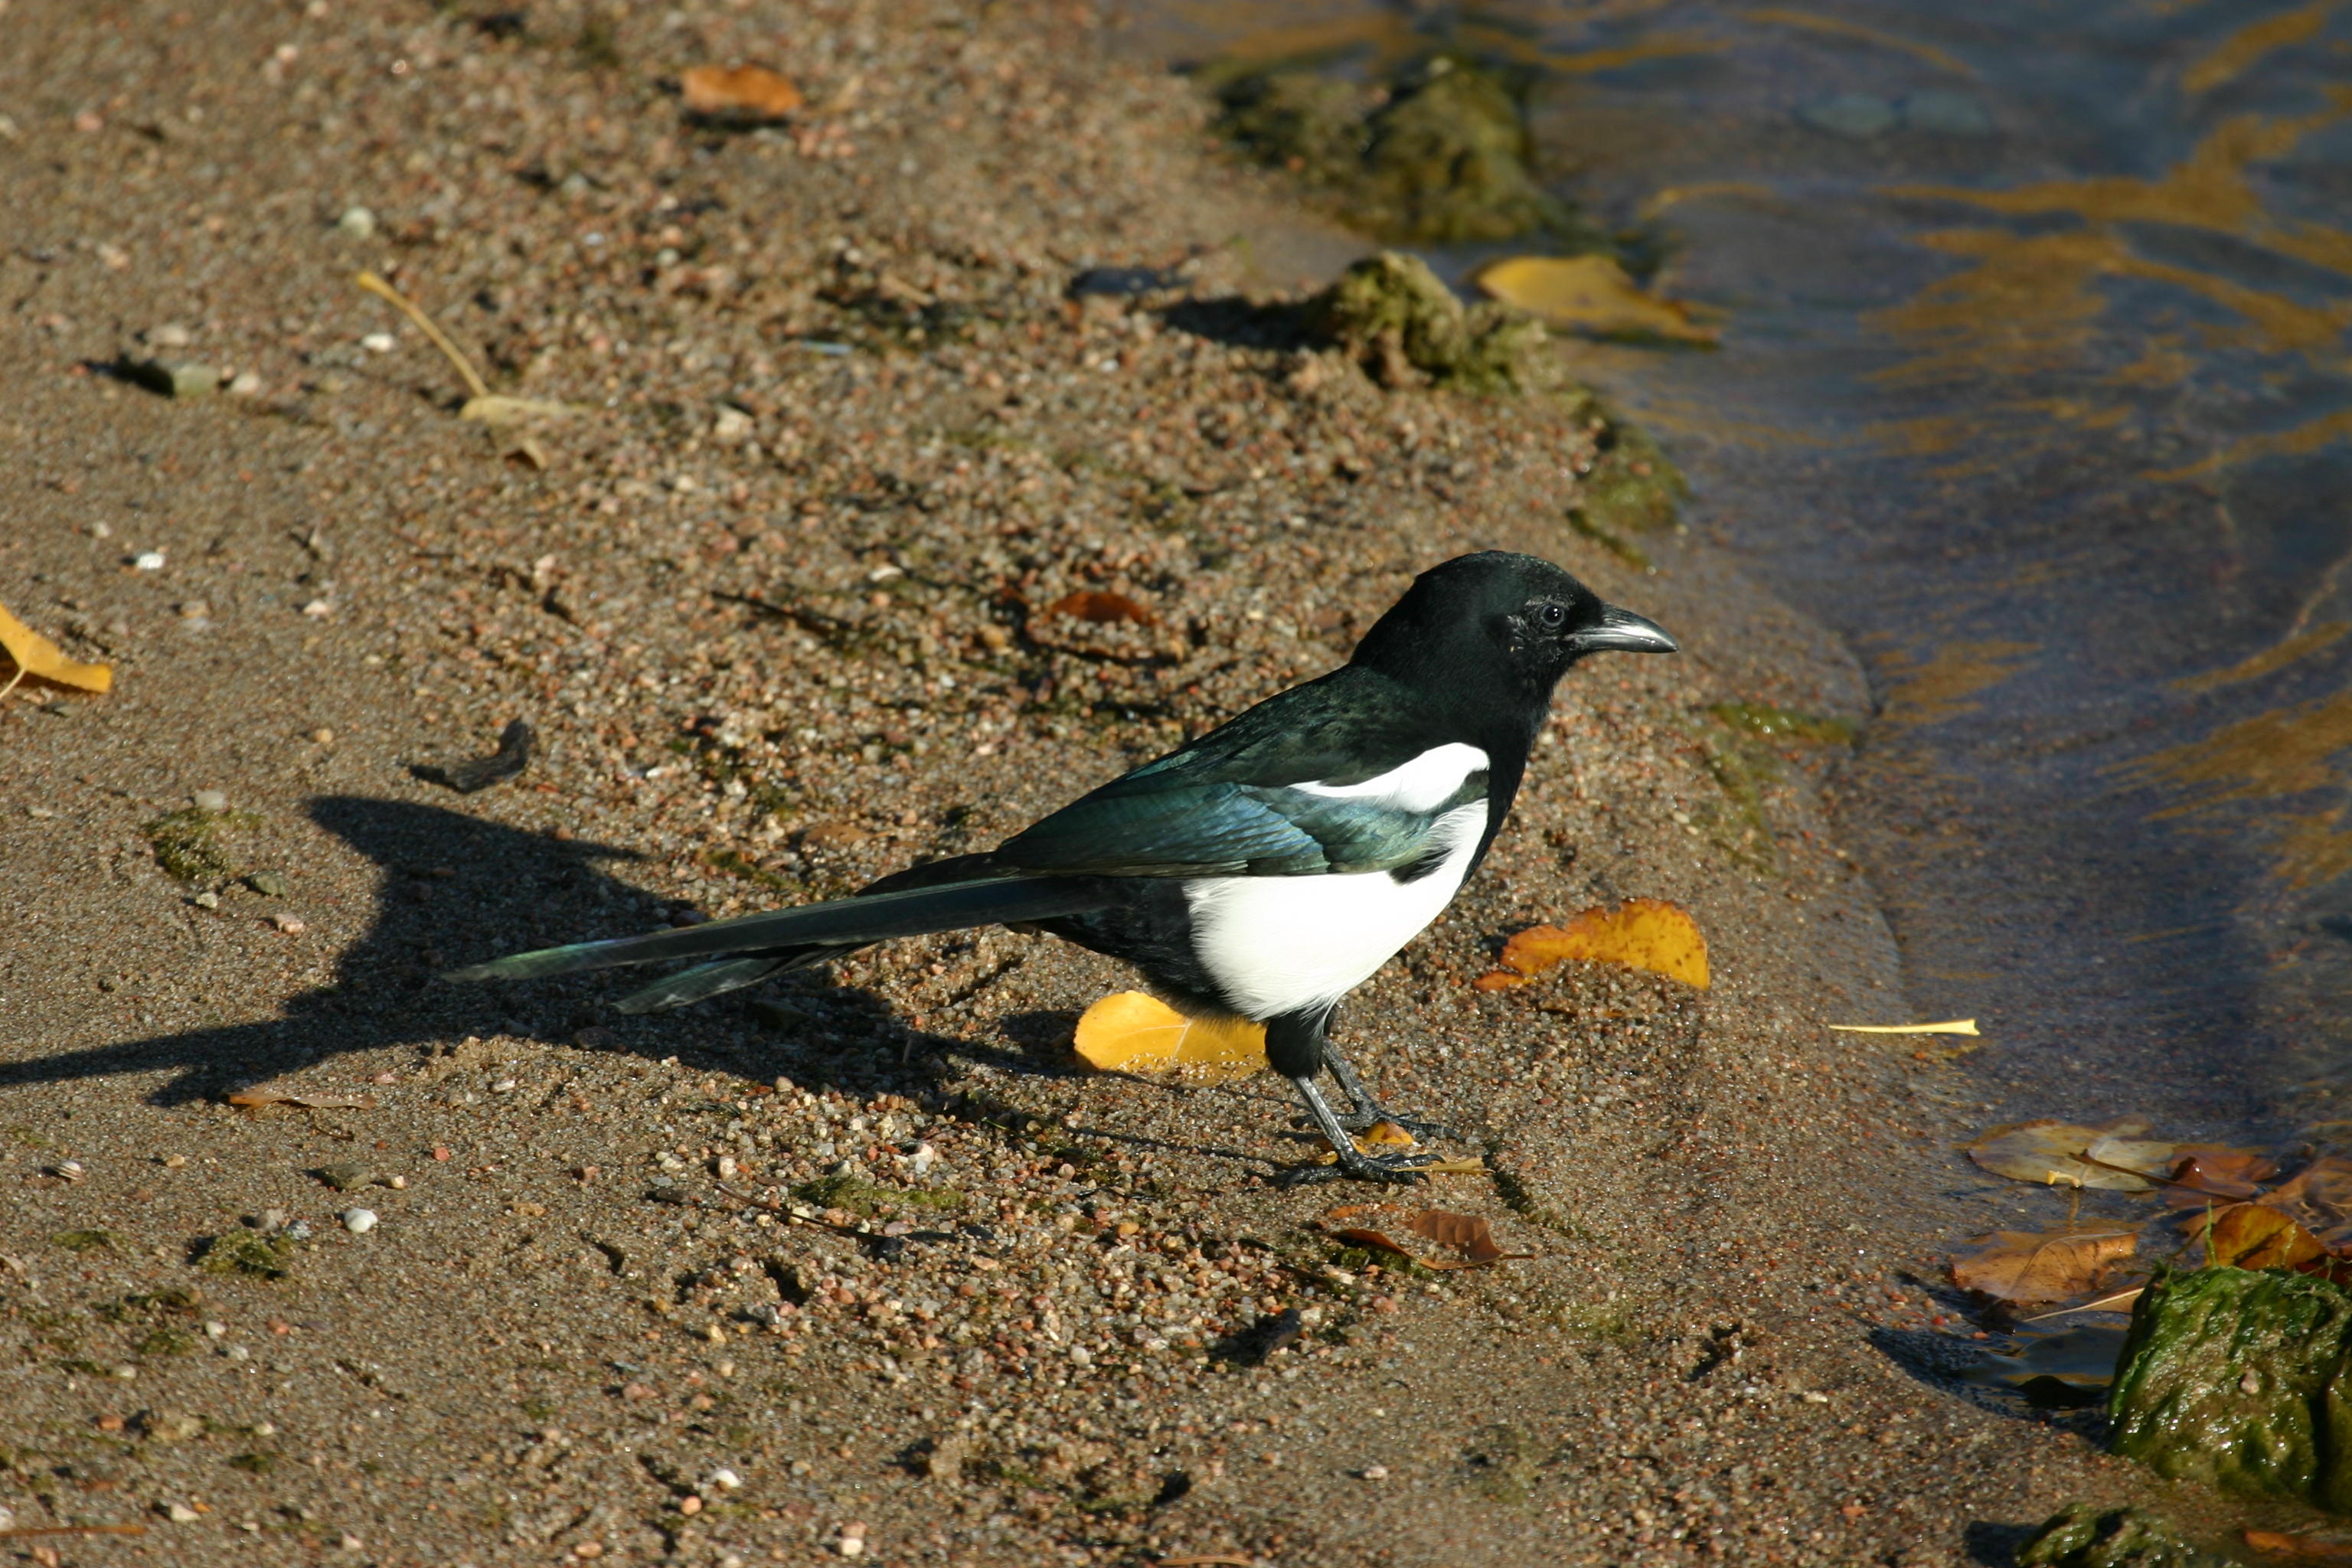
(2070, 1366)
(1590, 294)
(1131, 1032)
(2054, 1152)
(1641, 934)
(36, 656)
(2255, 1236)
(2029, 1270)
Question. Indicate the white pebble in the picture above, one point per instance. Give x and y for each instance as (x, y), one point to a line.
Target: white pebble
(149, 561)
(378, 342)
(1376, 1472)
(359, 1222)
(181, 1513)
(245, 384)
(504, 1086)
(209, 800)
(357, 222)
(319, 609)
(726, 1480)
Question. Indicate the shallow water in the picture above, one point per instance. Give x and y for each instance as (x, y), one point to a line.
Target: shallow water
(2033, 386)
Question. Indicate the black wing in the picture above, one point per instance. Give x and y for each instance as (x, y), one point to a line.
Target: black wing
(1224, 805)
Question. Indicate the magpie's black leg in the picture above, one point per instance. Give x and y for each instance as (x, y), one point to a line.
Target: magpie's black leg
(1365, 1110)
(1296, 1047)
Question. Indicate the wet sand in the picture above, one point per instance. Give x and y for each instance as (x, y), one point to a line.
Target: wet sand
(778, 606)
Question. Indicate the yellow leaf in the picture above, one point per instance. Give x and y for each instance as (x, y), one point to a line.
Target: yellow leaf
(1590, 294)
(496, 409)
(1956, 1027)
(37, 656)
(1640, 933)
(2059, 1153)
(1130, 1032)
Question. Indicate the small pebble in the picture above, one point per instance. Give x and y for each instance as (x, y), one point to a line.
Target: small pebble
(300, 1230)
(290, 924)
(357, 222)
(148, 560)
(194, 609)
(726, 1480)
(378, 342)
(209, 800)
(180, 1514)
(268, 884)
(170, 335)
(323, 735)
(71, 1171)
(1375, 1472)
(246, 383)
(206, 900)
(319, 609)
(359, 1222)
(504, 1086)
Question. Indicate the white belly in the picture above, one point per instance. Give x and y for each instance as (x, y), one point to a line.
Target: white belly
(1278, 944)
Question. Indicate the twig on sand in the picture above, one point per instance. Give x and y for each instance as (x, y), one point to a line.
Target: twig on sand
(378, 287)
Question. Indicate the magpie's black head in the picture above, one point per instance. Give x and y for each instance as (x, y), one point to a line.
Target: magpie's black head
(1497, 630)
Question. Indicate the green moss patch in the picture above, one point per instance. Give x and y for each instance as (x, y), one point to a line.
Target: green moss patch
(2082, 1536)
(2240, 1378)
(188, 842)
(1406, 326)
(248, 1252)
(88, 1241)
(1783, 724)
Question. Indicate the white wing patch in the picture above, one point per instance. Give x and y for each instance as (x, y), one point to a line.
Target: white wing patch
(1424, 784)
(1277, 944)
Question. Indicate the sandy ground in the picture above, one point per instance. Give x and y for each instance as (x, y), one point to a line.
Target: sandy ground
(777, 604)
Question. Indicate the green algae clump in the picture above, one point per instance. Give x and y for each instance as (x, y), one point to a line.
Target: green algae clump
(249, 1252)
(187, 845)
(2240, 1378)
(1438, 156)
(1406, 326)
(2080, 1536)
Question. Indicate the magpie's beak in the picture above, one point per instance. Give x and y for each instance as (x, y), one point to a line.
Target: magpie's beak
(1622, 631)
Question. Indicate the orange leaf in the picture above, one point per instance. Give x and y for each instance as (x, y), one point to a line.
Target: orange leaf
(36, 656)
(253, 1097)
(2224, 1173)
(2254, 1236)
(751, 91)
(1640, 933)
(1468, 1235)
(1101, 608)
(1131, 1032)
(2030, 1269)
(2310, 1548)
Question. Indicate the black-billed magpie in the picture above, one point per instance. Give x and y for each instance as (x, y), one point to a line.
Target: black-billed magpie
(1265, 871)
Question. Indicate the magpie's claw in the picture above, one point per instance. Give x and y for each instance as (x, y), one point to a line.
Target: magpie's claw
(1397, 1170)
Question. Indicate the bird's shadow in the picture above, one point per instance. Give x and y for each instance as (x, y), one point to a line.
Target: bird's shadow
(458, 889)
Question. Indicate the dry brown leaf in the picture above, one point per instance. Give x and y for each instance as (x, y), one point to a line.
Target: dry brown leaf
(2030, 1269)
(1102, 608)
(1640, 933)
(2308, 1547)
(1590, 294)
(738, 92)
(2054, 1152)
(2255, 1236)
(305, 1100)
(36, 657)
(1131, 1032)
(1469, 1235)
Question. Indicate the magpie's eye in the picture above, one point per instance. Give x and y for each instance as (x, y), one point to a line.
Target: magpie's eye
(1554, 615)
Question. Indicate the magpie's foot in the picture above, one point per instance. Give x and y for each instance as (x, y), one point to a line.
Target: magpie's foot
(1364, 1121)
(1398, 1170)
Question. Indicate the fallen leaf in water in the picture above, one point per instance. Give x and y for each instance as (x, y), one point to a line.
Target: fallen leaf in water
(2026, 1268)
(2054, 1152)
(752, 92)
(2209, 1174)
(1590, 294)
(1953, 1027)
(2308, 1548)
(302, 1100)
(35, 656)
(2067, 1368)
(1101, 608)
(1640, 933)
(2119, 1302)
(1131, 1032)
(1468, 1235)
(2320, 1194)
